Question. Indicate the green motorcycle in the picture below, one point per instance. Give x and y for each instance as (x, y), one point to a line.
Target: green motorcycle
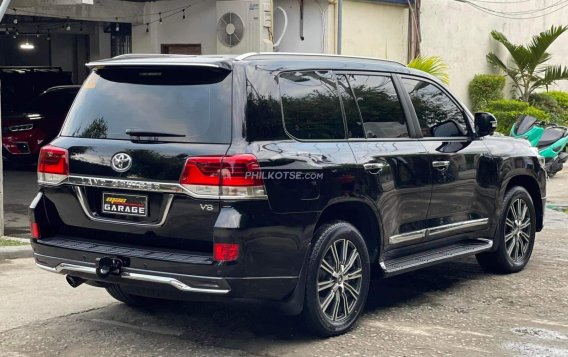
(549, 139)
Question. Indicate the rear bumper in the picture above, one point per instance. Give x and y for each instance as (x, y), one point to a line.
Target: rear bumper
(130, 276)
(164, 277)
(25, 157)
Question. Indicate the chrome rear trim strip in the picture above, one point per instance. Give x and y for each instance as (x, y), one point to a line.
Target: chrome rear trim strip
(440, 230)
(146, 186)
(65, 268)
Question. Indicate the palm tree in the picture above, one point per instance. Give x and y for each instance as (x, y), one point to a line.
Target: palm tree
(433, 65)
(528, 71)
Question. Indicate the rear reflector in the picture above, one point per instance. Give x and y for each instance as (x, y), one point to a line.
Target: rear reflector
(228, 176)
(34, 228)
(53, 165)
(223, 252)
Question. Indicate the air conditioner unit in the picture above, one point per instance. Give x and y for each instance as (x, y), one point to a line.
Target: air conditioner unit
(244, 26)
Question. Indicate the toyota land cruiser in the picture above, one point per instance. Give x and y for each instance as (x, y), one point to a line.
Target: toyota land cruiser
(281, 178)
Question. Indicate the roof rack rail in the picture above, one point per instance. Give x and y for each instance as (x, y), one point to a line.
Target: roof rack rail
(252, 54)
(146, 55)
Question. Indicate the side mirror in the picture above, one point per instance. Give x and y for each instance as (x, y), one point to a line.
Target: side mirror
(447, 129)
(485, 124)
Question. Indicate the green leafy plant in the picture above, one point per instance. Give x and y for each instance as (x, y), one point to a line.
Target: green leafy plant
(485, 88)
(507, 112)
(545, 101)
(433, 65)
(528, 70)
(560, 97)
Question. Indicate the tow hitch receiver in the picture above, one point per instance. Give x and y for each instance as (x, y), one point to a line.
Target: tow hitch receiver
(107, 266)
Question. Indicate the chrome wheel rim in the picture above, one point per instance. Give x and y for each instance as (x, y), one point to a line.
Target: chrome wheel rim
(518, 230)
(340, 279)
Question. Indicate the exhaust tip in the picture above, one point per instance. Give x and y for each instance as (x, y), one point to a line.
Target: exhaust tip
(74, 281)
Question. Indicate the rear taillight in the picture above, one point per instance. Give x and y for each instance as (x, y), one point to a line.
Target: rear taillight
(224, 252)
(228, 176)
(53, 165)
(34, 229)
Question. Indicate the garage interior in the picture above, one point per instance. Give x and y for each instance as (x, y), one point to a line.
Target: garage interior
(41, 44)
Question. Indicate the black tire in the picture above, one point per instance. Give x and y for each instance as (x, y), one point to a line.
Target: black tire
(129, 299)
(508, 239)
(347, 291)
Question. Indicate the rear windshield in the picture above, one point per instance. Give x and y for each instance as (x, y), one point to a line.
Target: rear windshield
(193, 103)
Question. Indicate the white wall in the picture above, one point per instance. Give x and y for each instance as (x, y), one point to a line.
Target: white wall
(199, 27)
(460, 34)
(315, 19)
(375, 30)
(370, 29)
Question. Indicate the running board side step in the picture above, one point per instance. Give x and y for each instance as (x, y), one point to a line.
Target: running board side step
(426, 258)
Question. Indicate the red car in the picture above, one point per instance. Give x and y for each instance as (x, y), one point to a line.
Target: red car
(24, 134)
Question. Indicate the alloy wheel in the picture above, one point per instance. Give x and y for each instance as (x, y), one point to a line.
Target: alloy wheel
(518, 230)
(339, 280)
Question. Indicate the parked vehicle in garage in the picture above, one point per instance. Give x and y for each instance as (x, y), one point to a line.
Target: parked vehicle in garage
(21, 84)
(281, 178)
(24, 134)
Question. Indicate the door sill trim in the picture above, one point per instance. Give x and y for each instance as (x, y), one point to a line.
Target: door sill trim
(439, 230)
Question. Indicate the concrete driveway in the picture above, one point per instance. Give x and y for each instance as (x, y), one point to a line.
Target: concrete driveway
(20, 188)
(450, 309)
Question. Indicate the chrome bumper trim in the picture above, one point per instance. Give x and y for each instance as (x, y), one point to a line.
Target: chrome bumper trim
(65, 268)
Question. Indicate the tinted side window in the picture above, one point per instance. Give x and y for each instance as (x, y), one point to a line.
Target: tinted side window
(352, 115)
(311, 106)
(380, 107)
(438, 115)
(263, 111)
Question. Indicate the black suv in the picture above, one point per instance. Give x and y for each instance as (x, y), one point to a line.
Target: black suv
(279, 178)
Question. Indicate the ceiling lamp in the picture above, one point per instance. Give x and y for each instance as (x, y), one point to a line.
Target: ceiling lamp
(27, 46)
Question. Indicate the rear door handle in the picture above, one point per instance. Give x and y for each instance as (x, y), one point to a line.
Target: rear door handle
(375, 167)
(441, 165)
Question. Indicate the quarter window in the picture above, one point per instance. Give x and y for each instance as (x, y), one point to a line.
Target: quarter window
(311, 106)
(380, 107)
(437, 114)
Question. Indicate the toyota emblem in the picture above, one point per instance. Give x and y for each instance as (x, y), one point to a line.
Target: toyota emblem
(121, 162)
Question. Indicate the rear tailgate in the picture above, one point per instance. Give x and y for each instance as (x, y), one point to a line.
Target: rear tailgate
(124, 188)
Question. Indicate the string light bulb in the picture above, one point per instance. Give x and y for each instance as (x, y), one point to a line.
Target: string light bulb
(147, 27)
(161, 17)
(15, 17)
(183, 12)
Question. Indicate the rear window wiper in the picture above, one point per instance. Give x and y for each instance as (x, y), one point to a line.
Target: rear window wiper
(156, 134)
